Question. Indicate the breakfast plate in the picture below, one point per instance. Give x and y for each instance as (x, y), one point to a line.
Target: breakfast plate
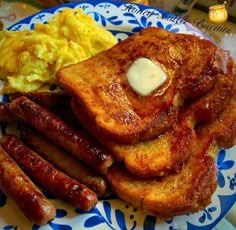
(124, 19)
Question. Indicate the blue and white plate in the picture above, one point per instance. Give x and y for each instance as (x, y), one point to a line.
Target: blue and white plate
(124, 19)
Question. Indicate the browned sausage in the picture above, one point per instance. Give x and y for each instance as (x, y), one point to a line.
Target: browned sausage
(45, 99)
(56, 102)
(5, 114)
(63, 160)
(27, 196)
(63, 113)
(47, 176)
(73, 140)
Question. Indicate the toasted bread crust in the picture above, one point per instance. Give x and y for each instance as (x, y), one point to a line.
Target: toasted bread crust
(186, 192)
(190, 189)
(101, 87)
(173, 173)
(157, 157)
(166, 154)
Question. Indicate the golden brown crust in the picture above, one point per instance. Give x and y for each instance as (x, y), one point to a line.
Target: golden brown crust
(190, 189)
(101, 87)
(165, 154)
(202, 84)
(156, 157)
(180, 193)
(223, 129)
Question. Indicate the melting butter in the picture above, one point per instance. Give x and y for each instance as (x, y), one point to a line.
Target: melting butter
(144, 76)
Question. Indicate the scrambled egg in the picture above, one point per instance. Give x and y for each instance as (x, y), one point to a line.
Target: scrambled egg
(29, 59)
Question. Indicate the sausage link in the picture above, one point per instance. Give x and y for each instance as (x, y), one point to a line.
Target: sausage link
(47, 176)
(5, 113)
(64, 113)
(45, 99)
(63, 160)
(56, 102)
(21, 189)
(73, 140)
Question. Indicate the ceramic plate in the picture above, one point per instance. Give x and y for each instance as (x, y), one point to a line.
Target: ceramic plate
(124, 19)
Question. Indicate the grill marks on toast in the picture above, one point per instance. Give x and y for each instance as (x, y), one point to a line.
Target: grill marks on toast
(101, 86)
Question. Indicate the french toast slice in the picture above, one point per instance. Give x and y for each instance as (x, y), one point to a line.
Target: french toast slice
(102, 89)
(165, 154)
(189, 190)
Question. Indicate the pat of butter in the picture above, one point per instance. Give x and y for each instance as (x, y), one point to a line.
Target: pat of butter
(144, 76)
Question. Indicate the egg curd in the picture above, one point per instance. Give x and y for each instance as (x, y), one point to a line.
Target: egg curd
(29, 59)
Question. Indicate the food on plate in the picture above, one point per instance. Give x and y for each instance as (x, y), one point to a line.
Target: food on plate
(147, 158)
(167, 136)
(63, 160)
(73, 140)
(64, 113)
(46, 99)
(146, 137)
(5, 113)
(224, 127)
(189, 190)
(165, 154)
(56, 102)
(100, 83)
(30, 58)
(30, 200)
(47, 176)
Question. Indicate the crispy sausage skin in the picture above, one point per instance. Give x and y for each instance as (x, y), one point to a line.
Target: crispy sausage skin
(45, 99)
(63, 160)
(63, 113)
(56, 102)
(47, 176)
(73, 140)
(5, 114)
(21, 189)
